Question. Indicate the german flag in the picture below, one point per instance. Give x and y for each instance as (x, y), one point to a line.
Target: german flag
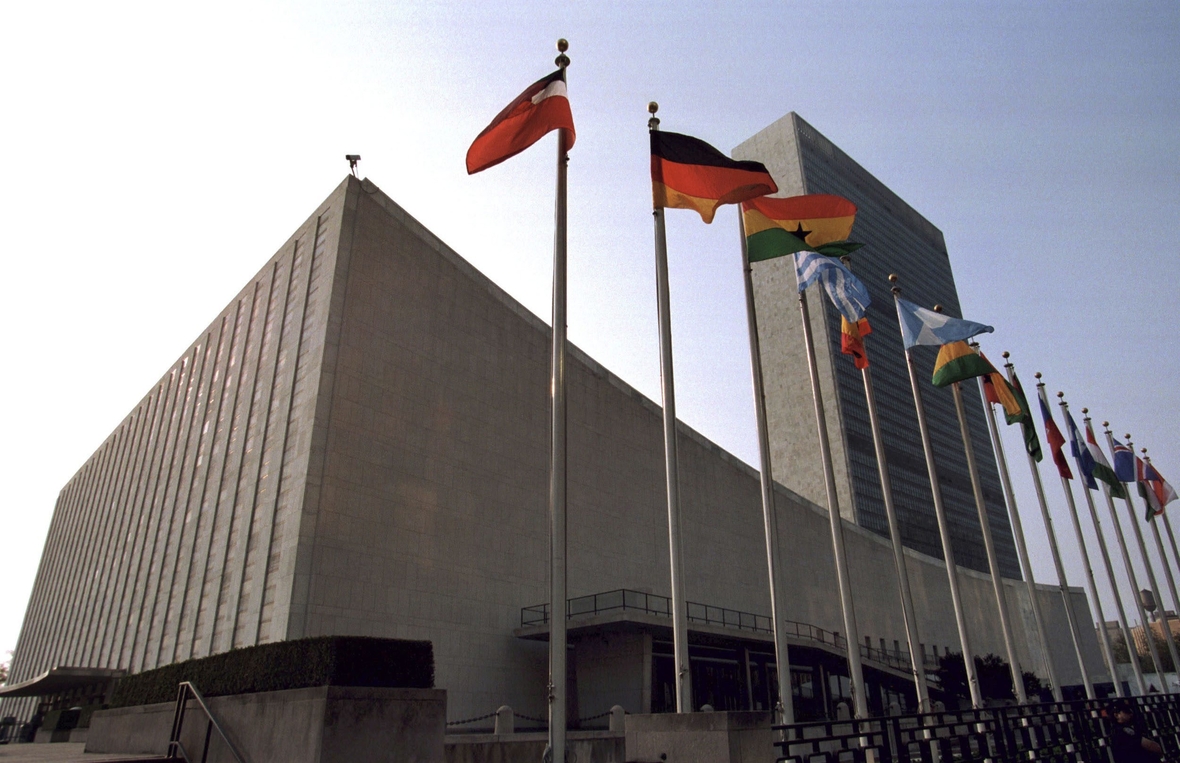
(815, 223)
(688, 173)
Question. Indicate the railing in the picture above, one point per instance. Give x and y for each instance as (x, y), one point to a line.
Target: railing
(1054, 731)
(176, 750)
(705, 614)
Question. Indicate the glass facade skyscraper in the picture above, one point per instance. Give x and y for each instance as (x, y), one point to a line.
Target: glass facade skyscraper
(897, 240)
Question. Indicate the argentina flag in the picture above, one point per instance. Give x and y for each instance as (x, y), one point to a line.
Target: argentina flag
(846, 291)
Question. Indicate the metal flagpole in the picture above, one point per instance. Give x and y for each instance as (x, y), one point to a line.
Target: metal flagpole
(1155, 589)
(852, 634)
(917, 658)
(783, 704)
(1171, 535)
(1131, 572)
(557, 463)
(1062, 583)
(1130, 569)
(989, 547)
(1091, 586)
(1118, 600)
(671, 465)
(1021, 548)
(948, 553)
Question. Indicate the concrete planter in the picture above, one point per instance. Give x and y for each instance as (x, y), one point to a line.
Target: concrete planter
(325, 724)
(717, 737)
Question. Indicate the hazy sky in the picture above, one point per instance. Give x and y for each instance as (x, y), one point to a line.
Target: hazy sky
(154, 156)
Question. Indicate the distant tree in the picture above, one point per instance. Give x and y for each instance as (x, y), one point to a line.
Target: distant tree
(4, 669)
(995, 677)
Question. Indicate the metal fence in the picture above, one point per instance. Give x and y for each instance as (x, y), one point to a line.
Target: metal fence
(1056, 731)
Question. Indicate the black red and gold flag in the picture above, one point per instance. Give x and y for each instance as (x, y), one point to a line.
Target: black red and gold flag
(688, 173)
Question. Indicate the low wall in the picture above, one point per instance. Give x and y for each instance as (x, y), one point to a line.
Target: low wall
(325, 724)
(586, 746)
(717, 737)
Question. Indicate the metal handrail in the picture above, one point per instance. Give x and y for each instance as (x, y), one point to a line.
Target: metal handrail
(654, 604)
(174, 745)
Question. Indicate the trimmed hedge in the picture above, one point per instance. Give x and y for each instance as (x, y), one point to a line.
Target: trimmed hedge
(324, 661)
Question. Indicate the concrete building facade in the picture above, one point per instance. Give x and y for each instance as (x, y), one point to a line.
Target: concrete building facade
(358, 444)
(897, 240)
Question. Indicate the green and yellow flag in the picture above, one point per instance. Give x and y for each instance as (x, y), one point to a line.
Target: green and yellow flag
(812, 223)
(958, 362)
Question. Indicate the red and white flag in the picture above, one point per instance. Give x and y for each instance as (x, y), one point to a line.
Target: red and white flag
(542, 107)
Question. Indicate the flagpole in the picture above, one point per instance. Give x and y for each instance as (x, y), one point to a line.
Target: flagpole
(948, 553)
(784, 703)
(1155, 589)
(1103, 633)
(852, 634)
(557, 463)
(917, 658)
(1062, 582)
(1171, 537)
(1091, 586)
(989, 547)
(671, 464)
(1130, 569)
(1018, 533)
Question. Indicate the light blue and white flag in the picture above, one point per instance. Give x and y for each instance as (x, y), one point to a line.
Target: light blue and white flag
(926, 327)
(846, 291)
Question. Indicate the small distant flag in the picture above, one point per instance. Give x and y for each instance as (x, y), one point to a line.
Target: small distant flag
(1032, 443)
(1102, 469)
(847, 292)
(1080, 452)
(920, 326)
(852, 334)
(816, 222)
(1124, 462)
(1154, 488)
(957, 362)
(543, 106)
(688, 173)
(1056, 440)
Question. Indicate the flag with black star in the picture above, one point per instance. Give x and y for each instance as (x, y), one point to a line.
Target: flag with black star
(813, 223)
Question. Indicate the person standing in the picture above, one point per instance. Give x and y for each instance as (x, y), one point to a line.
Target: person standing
(1127, 745)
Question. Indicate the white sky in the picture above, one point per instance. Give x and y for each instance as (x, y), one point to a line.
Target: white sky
(153, 156)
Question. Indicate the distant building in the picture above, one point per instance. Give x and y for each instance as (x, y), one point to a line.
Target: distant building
(358, 445)
(898, 240)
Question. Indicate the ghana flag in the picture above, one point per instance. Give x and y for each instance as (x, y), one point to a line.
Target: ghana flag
(688, 173)
(815, 223)
(957, 362)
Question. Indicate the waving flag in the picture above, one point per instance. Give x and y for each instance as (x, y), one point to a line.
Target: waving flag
(847, 292)
(852, 340)
(543, 106)
(1124, 462)
(1032, 443)
(1056, 440)
(920, 326)
(816, 223)
(1080, 452)
(1153, 487)
(957, 362)
(998, 391)
(1102, 468)
(688, 173)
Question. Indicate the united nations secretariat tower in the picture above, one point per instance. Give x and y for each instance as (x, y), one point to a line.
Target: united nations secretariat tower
(358, 445)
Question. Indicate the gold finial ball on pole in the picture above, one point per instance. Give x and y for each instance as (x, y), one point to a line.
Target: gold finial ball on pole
(654, 122)
(1004, 354)
(562, 59)
(1106, 423)
(1060, 395)
(1037, 374)
(938, 308)
(893, 278)
(1085, 410)
(652, 107)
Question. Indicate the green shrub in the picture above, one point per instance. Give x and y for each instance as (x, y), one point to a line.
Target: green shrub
(324, 661)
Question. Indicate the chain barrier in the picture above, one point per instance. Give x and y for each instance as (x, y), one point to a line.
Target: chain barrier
(471, 720)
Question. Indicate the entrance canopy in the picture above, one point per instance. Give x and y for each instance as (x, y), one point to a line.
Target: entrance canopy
(58, 680)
